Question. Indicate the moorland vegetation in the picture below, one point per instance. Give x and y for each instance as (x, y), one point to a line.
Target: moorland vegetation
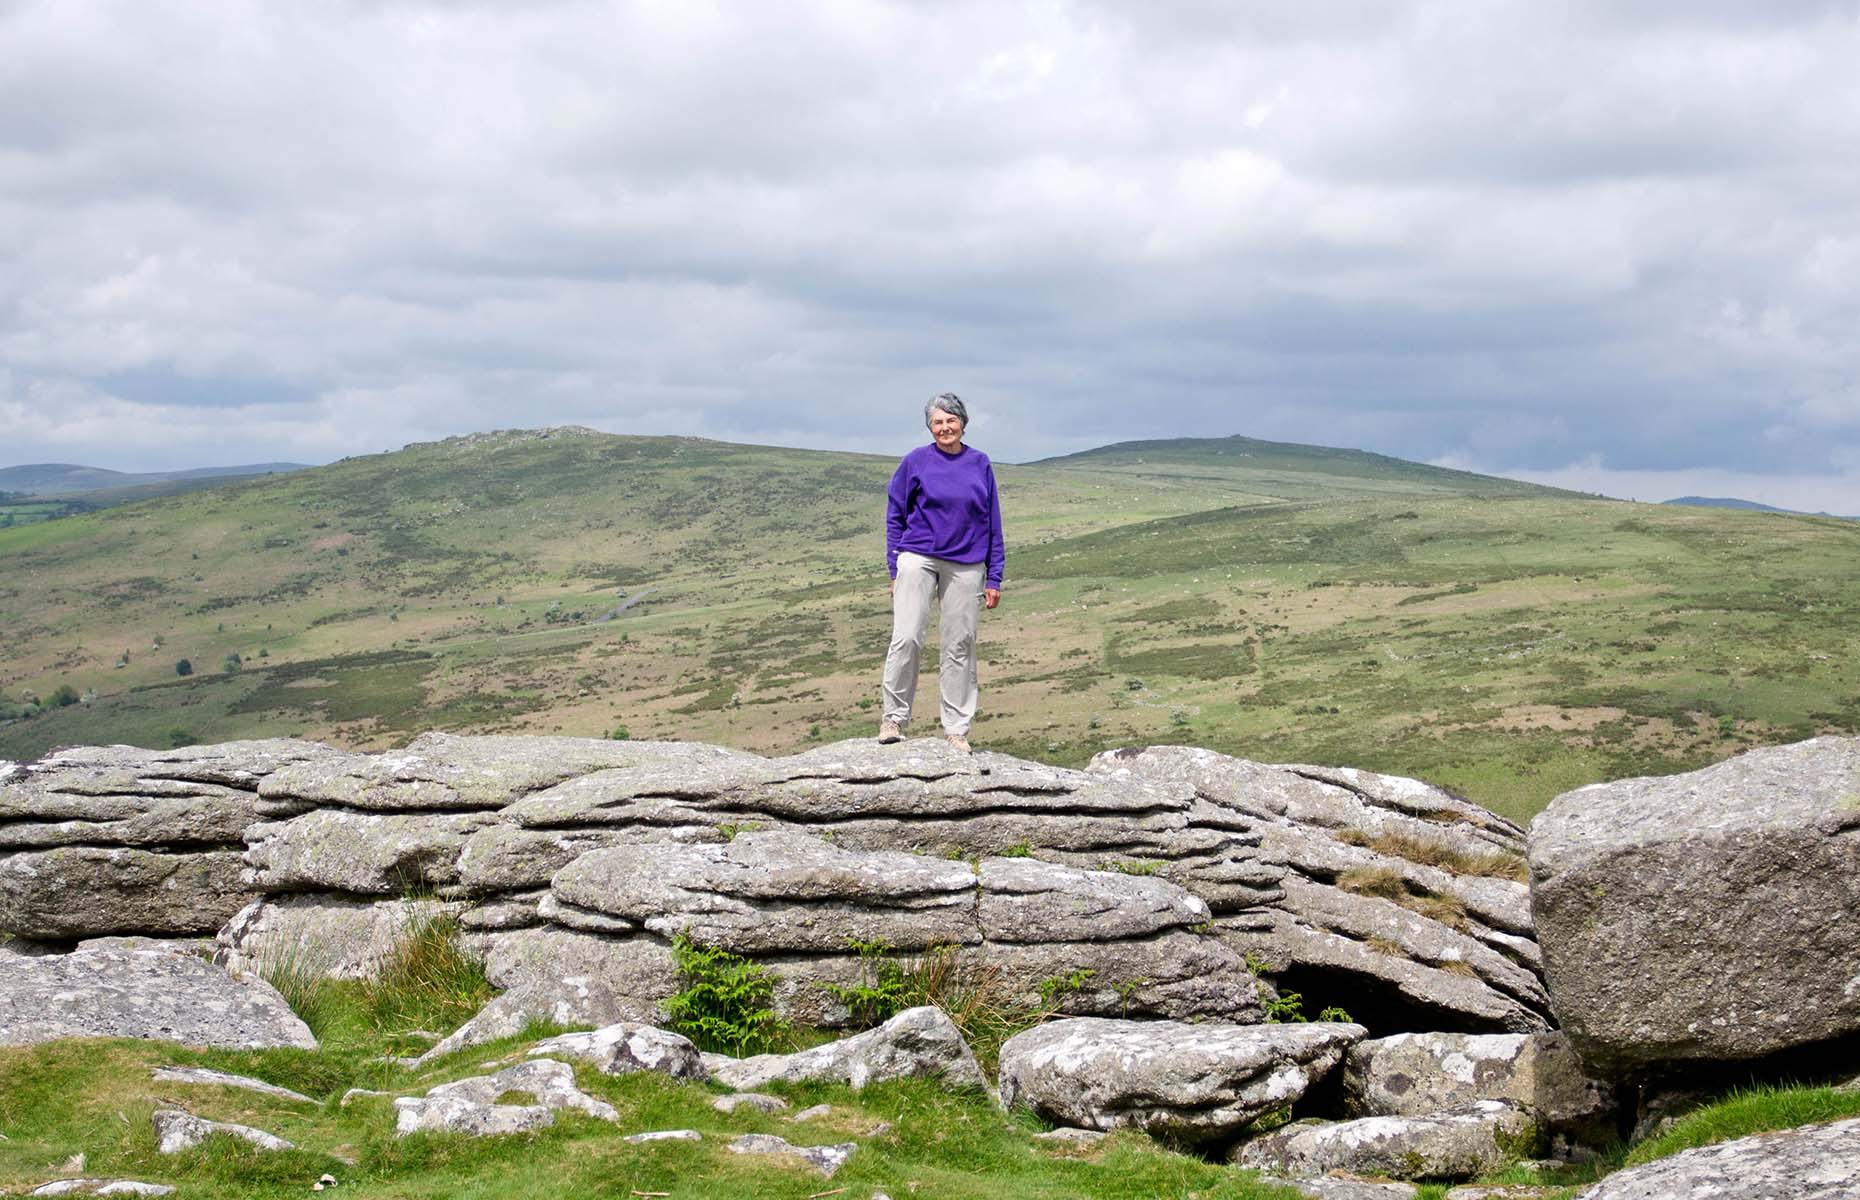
(1277, 602)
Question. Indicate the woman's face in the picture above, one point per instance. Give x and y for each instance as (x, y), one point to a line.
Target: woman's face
(946, 428)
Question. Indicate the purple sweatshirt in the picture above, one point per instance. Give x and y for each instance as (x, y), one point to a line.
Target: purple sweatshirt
(945, 506)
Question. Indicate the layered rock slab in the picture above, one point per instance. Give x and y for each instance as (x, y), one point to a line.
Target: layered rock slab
(103, 840)
(1372, 890)
(1197, 1083)
(1813, 1162)
(1694, 918)
(803, 905)
(150, 994)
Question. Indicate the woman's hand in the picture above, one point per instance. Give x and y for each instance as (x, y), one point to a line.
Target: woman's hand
(991, 597)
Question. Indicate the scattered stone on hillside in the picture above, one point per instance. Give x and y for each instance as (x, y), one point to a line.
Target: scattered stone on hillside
(148, 994)
(73, 892)
(1453, 1145)
(825, 1159)
(210, 1078)
(469, 1106)
(176, 1131)
(101, 1187)
(1416, 1074)
(1353, 1189)
(917, 1043)
(755, 1100)
(1812, 1162)
(360, 853)
(664, 1135)
(1380, 893)
(1196, 1083)
(1071, 1136)
(629, 1047)
(331, 936)
(1688, 918)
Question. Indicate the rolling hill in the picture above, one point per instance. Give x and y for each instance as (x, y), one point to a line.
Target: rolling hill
(1287, 603)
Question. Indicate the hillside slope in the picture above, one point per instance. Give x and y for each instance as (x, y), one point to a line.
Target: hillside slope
(1504, 640)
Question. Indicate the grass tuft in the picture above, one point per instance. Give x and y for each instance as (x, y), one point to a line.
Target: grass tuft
(1742, 1113)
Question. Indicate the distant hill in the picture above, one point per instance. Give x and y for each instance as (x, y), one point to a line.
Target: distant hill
(1747, 505)
(65, 480)
(1274, 465)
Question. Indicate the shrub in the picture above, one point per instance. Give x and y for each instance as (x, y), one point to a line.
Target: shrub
(183, 668)
(64, 696)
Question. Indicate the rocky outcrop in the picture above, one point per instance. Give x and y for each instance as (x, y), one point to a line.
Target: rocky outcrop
(151, 994)
(1418, 1074)
(917, 1043)
(1813, 1162)
(1403, 904)
(1691, 918)
(1192, 1083)
(1453, 1145)
(1143, 882)
(104, 840)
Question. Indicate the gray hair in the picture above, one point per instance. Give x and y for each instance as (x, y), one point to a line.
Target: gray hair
(950, 403)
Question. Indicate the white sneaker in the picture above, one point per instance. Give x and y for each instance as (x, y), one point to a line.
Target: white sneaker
(889, 732)
(957, 742)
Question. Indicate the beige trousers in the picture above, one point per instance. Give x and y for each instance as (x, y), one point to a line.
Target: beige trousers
(958, 591)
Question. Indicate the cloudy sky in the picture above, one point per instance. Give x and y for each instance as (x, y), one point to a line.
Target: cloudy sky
(1613, 244)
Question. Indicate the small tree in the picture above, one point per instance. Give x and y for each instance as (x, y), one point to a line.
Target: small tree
(232, 664)
(183, 667)
(65, 696)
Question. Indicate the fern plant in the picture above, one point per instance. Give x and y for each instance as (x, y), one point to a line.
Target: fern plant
(727, 1004)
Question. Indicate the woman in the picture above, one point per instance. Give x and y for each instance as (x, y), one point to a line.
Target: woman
(942, 538)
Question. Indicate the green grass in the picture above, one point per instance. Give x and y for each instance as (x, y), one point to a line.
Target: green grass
(97, 1097)
(1753, 1110)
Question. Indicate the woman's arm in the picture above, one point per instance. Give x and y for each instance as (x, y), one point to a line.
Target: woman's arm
(997, 545)
(897, 504)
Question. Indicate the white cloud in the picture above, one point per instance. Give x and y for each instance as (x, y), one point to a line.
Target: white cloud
(1515, 232)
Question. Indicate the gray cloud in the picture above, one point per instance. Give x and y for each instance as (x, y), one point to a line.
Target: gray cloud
(1583, 237)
